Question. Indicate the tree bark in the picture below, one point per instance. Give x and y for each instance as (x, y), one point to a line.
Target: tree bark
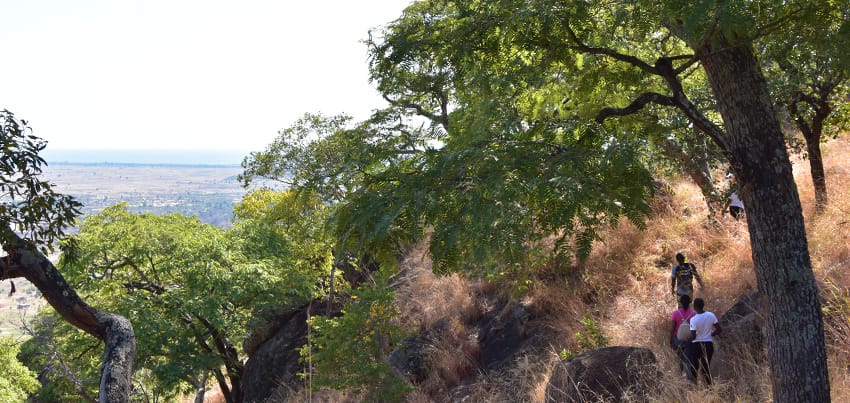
(756, 150)
(813, 133)
(116, 331)
(818, 174)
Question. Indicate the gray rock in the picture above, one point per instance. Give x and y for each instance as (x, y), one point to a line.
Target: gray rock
(740, 347)
(606, 374)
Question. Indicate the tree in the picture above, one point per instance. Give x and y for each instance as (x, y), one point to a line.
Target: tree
(32, 218)
(811, 85)
(362, 337)
(586, 59)
(17, 382)
(191, 288)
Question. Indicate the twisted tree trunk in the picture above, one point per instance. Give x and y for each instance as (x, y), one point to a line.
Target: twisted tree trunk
(24, 260)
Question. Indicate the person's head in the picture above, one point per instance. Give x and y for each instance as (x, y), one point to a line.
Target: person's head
(680, 257)
(685, 301)
(699, 304)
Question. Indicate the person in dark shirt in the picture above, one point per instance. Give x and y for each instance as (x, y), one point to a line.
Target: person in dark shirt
(682, 278)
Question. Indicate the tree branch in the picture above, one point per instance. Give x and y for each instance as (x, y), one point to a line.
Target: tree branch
(634, 61)
(115, 331)
(442, 119)
(636, 105)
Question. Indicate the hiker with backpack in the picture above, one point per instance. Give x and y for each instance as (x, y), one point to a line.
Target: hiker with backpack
(682, 280)
(680, 338)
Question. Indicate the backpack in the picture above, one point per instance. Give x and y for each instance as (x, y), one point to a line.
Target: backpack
(684, 331)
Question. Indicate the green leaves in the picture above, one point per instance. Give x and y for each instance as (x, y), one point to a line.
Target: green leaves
(28, 204)
(17, 381)
(348, 352)
(191, 289)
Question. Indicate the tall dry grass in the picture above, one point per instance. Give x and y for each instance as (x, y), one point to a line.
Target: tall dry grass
(638, 315)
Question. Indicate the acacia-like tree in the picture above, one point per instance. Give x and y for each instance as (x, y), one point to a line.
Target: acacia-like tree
(32, 218)
(534, 126)
(548, 66)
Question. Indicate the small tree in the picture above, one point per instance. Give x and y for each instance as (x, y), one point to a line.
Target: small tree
(811, 85)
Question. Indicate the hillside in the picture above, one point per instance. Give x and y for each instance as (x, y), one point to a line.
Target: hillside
(620, 296)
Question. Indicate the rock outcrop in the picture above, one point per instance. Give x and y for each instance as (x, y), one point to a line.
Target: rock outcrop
(274, 357)
(740, 347)
(606, 374)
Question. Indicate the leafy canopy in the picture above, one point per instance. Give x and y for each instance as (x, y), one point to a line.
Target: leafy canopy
(17, 381)
(190, 289)
(28, 204)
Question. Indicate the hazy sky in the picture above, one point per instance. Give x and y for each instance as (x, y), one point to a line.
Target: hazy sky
(183, 74)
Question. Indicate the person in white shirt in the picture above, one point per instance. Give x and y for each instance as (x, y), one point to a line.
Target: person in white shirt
(736, 206)
(704, 327)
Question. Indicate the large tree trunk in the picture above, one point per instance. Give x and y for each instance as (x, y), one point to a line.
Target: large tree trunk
(115, 331)
(756, 149)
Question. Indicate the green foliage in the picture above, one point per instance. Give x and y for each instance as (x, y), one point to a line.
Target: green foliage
(28, 204)
(17, 382)
(349, 352)
(68, 359)
(296, 219)
(591, 338)
(189, 288)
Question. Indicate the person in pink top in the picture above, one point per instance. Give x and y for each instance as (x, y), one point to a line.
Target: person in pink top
(683, 314)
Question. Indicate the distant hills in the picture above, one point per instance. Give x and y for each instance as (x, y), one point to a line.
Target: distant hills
(146, 157)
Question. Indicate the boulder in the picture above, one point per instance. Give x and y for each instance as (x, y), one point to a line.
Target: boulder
(740, 347)
(273, 364)
(606, 374)
(503, 333)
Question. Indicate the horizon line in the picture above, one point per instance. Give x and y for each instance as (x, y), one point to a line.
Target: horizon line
(176, 157)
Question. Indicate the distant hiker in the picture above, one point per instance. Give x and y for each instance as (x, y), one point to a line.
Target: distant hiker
(704, 326)
(680, 341)
(682, 278)
(736, 206)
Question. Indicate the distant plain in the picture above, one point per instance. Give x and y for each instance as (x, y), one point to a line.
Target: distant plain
(209, 192)
(206, 191)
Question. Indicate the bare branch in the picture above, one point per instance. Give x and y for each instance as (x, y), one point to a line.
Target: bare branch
(634, 61)
(441, 119)
(115, 330)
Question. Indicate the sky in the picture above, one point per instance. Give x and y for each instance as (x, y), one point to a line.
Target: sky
(184, 74)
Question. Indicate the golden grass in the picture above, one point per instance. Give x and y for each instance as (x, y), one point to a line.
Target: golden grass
(624, 285)
(638, 315)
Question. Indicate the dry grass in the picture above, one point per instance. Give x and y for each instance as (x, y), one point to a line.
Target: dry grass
(624, 286)
(723, 255)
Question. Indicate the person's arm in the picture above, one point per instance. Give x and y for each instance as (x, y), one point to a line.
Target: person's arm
(696, 275)
(673, 281)
(717, 329)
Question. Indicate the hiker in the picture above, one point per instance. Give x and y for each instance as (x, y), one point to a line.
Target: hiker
(736, 206)
(682, 316)
(704, 326)
(682, 279)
